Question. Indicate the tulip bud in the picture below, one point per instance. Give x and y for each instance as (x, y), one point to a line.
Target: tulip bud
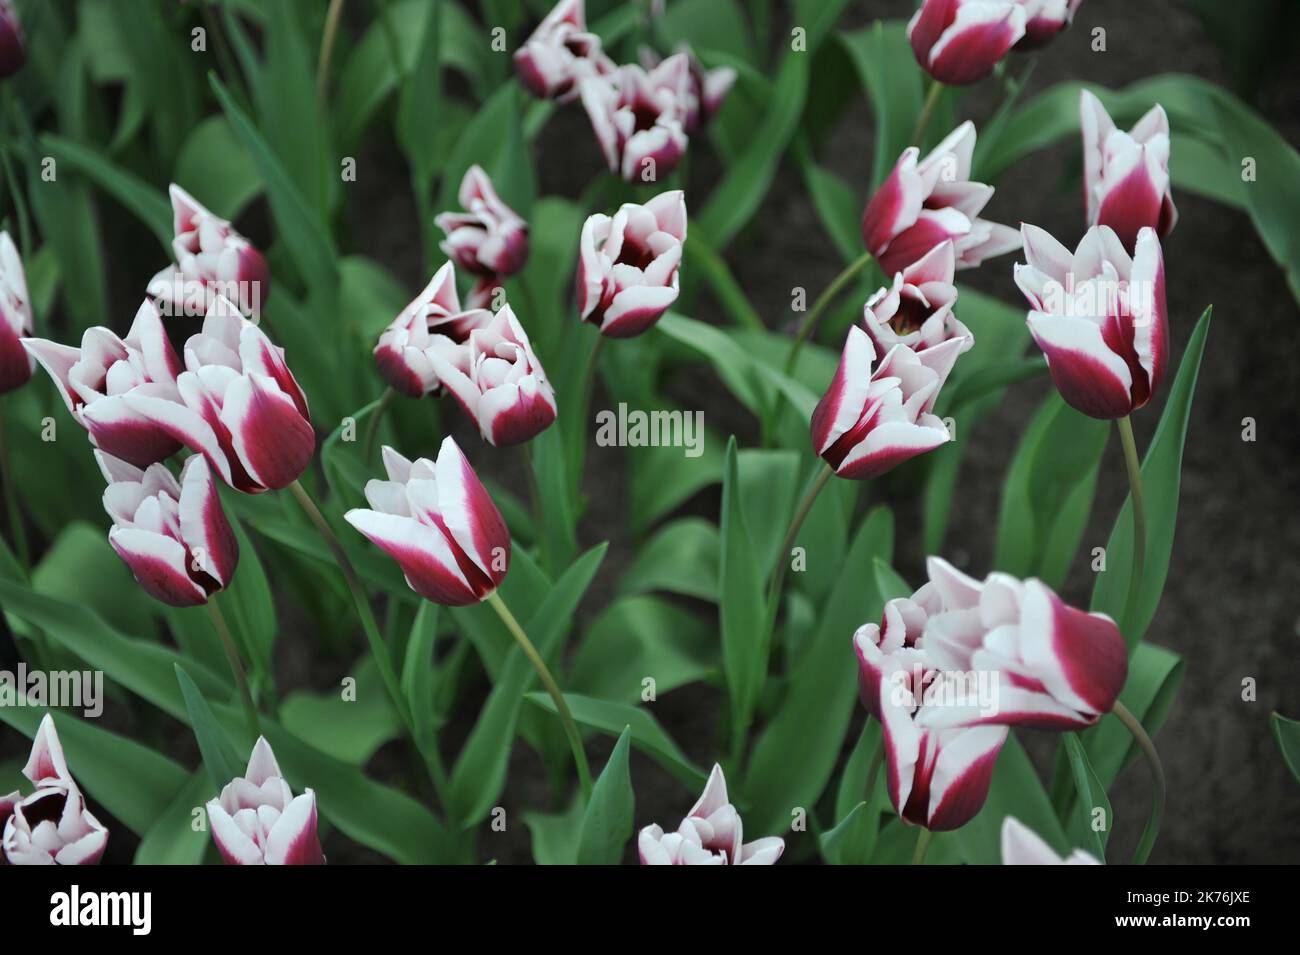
(257, 820)
(242, 408)
(1126, 175)
(489, 238)
(711, 834)
(1044, 20)
(437, 521)
(16, 365)
(916, 310)
(924, 204)
(627, 265)
(99, 380)
(212, 259)
(497, 379)
(13, 46)
(400, 353)
(638, 118)
(52, 825)
(867, 424)
(960, 41)
(1022, 846)
(560, 53)
(173, 536)
(1099, 316)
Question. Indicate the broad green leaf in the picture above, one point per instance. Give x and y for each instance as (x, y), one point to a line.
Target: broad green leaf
(251, 607)
(139, 197)
(555, 835)
(853, 781)
(741, 611)
(494, 140)
(419, 674)
(171, 839)
(214, 166)
(80, 567)
(640, 638)
(419, 101)
(1081, 826)
(1287, 734)
(350, 729)
(853, 838)
(893, 81)
(218, 752)
(607, 823)
(681, 558)
(706, 24)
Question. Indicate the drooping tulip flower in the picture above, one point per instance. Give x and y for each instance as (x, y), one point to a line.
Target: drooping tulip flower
(173, 535)
(701, 92)
(211, 259)
(258, 820)
(1044, 20)
(497, 379)
(99, 380)
(1047, 665)
(1126, 175)
(16, 365)
(242, 408)
(13, 46)
(560, 53)
(400, 353)
(711, 834)
(916, 310)
(488, 238)
(627, 265)
(50, 826)
(925, 203)
(869, 422)
(960, 41)
(436, 520)
(1099, 316)
(638, 118)
(1022, 846)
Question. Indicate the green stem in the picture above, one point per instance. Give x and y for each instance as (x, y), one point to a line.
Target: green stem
(927, 111)
(1125, 427)
(553, 688)
(1134, 726)
(823, 302)
(922, 843)
(236, 667)
(327, 49)
(783, 555)
(372, 426)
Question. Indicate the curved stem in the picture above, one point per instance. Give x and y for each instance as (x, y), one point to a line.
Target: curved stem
(327, 48)
(17, 530)
(922, 843)
(1134, 726)
(372, 426)
(800, 515)
(236, 666)
(1125, 427)
(927, 111)
(553, 688)
(823, 302)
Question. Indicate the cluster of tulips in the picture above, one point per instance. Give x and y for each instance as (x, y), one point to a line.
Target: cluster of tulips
(230, 406)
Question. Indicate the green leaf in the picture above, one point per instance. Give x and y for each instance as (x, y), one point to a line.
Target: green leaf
(1081, 825)
(139, 197)
(1015, 791)
(893, 81)
(495, 141)
(219, 757)
(351, 730)
(214, 166)
(419, 675)
(853, 838)
(742, 613)
(555, 836)
(80, 567)
(418, 126)
(607, 823)
(681, 558)
(706, 24)
(889, 583)
(1154, 675)
(172, 839)
(252, 608)
(1287, 734)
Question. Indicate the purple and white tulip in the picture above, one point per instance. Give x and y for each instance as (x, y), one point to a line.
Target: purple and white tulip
(701, 92)
(1126, 175)
(13, 46)
(488, 238)
(560, 53)
(1022, 846)
(928, 202)
(959, 42)
(16, 365)
(496, 379)
(628, 264)
(50, 826)
(1099, 316)
(916, 310)
(100, 380)
(240, 407)
(211, 259)
(1044, 19)
(639, 118)
(257, 820)
(711, 834)
(438, 522)
(869, 422)
(173, 535)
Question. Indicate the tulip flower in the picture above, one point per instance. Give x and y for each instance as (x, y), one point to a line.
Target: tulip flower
(560, 53)
(436, 520)
(173, 535)
(1126, 175)
(257, 820)
(13, 46)
(211, 259)
(242, 408)
(869, 422)
(1044, 20)
(400, 353)
(497, 379)
(99, 380)
(627, 265)
(923, 204)
(916, 310)
(488, 238)
(960, 41)
(1022, 846)
(1099, 316)
(711, 834)
(700, 92)
(16, 365)
(50, 826)
(639, 118)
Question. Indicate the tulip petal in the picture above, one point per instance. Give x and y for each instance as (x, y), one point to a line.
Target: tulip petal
(469, 513)
(421, 551)
(1090, 377)
(270, 437)
(293, 840)
(159, 564)
(46, 761)
(962, 774)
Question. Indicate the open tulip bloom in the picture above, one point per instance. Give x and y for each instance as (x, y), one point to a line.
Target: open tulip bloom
(1022, 846)
(916, 310)
(258, 820)
(960, 41)
(711, 834)
(700, 92)
(16, 365)
(560, 53)
(488, 238)
(639, 118)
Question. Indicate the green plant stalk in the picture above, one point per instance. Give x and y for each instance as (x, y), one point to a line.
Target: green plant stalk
(783, 555)
(236, 666)
(553, 688)
(1125, 427)
(922, 843)
(927, 111)
(1152, 829)
(17, 529)
(823, 302)
(330, 33)
(372, 426)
